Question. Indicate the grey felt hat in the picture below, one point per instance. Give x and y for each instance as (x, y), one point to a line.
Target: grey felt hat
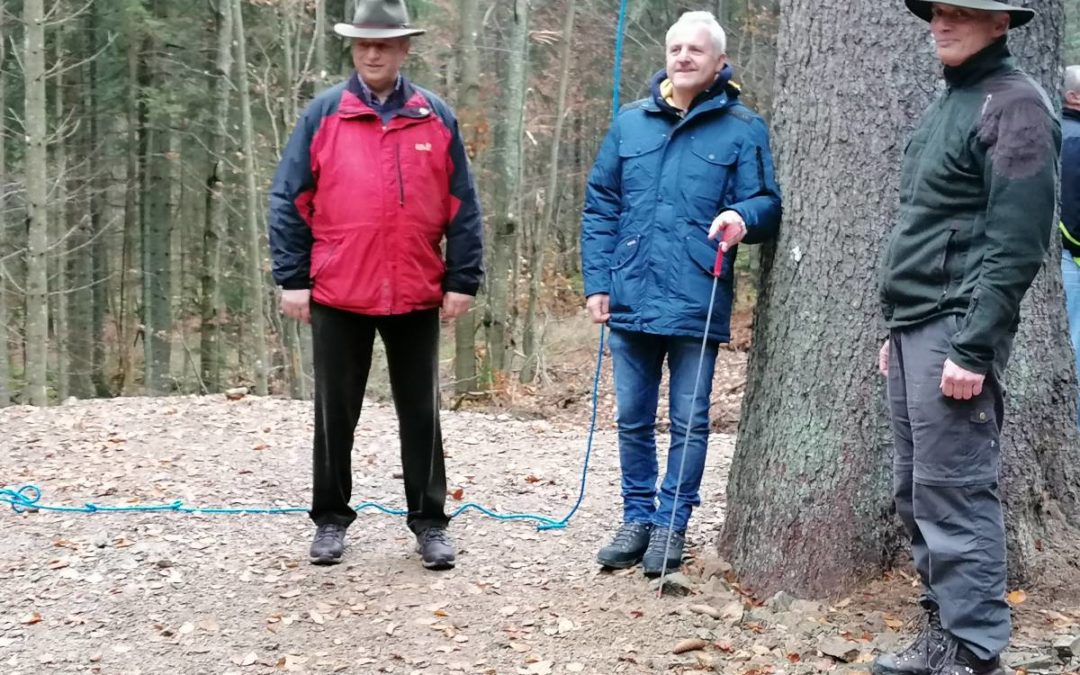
(378, 19)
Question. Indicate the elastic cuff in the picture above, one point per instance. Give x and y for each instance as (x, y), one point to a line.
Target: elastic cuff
(296, 285)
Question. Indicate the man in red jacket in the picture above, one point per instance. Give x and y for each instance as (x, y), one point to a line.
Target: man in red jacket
(372, 180)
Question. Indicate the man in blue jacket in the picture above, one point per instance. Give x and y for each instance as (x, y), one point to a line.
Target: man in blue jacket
(679, 170)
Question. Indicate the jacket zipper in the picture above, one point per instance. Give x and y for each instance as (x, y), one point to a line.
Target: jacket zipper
(400, 179)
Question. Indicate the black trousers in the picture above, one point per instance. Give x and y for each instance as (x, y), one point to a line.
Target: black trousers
(343, 344)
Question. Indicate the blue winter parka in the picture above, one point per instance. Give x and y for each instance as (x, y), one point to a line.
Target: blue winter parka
(659, 180)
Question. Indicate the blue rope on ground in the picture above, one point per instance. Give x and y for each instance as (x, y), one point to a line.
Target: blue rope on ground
(28, 497)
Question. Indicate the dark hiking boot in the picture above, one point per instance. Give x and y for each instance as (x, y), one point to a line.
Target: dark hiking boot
(920, 656)
(626, 549)
(435, 549)
(328, 545)
(656, 559)
(959, 660)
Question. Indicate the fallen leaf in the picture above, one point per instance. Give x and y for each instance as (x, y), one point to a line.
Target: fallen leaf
(689, 645)
(248, 659)
(793, 657)
(391, 628)
(316, 617)
(290, 594)
(58, 563)
(458, 494)
(532, 479)
(187, 629)
(31, 619)
(509, 610)
(262, 446)
(894, 623)
(1017, 597)
(441, 613)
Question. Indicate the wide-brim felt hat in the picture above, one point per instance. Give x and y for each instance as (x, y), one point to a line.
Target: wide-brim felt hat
(379, 20)
(1018, 16)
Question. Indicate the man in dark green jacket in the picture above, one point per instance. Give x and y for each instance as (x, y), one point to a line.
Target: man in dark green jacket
(977, 203)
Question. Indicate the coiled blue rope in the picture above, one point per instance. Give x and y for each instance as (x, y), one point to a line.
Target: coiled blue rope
(28, 497)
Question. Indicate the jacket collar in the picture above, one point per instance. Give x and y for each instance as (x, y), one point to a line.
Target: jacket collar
(721, 94)
(1071, 114)
(405, 101)
(993, 58)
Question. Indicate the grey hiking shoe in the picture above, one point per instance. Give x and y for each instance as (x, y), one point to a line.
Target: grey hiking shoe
(328, 545)
(626, 549)
(436, 551)
(656, 559)
(921, 656)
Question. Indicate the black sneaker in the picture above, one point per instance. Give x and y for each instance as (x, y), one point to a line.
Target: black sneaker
(328, 545)
(434, 547)
(656, 558)
(626, 549)
(920, 656)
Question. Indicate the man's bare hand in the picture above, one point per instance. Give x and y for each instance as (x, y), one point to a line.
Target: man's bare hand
(297, 304)
(598, 308)
(960, 384)
(731, 229)
(455, 304)
(883, 359)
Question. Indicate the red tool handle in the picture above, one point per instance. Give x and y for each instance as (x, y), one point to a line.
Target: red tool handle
(728, 233)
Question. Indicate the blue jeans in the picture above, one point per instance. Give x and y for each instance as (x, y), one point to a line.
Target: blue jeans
(1070, 275)
(638, 360)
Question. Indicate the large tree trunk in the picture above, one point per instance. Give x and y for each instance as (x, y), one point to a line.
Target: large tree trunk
(58, 238)
(507, 186)
(157, 229)
(213, 307)
(531, 338)
(809, 507)
(475, 131)
(124, 318)
(37, 286)
(100, 254)
(5, 364)
(254, 267)
(76, 293)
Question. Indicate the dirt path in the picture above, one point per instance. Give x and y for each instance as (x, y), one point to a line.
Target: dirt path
(171, 593)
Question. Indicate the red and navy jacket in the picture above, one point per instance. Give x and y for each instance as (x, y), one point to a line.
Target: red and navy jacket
(364, 196)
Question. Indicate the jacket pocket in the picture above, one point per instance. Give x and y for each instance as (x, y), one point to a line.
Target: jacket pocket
(629, 266)
(640, 163)
(946, 265)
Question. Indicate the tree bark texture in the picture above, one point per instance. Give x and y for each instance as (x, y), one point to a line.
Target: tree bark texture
(531, 339)
(100, 255)
(37, 286)
(254, 267)
(76, 294)
(809, 505)
(157, 250)
(213, 307)
(475, 131)
(507, 186)
(5, 363)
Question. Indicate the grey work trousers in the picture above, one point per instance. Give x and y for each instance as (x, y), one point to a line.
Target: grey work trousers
(945, 484)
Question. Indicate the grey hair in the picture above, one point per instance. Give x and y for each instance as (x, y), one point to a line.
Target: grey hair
(1072, 79)
(705, 19)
